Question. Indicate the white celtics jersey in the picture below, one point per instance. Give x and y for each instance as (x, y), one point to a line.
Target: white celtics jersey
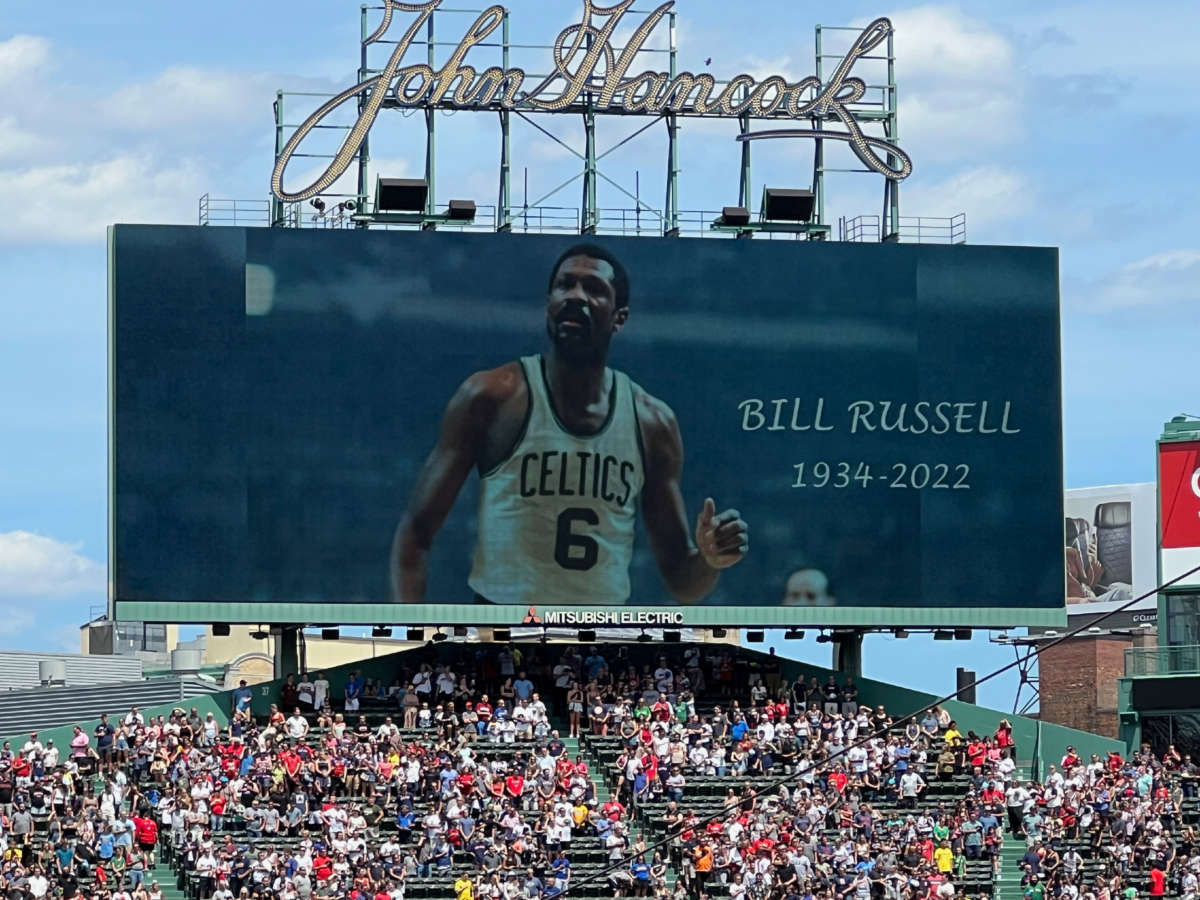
(556, 518)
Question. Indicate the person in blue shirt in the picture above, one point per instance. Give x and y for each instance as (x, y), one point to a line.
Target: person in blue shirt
(242, 695)
(738, 731)
(640, 870)
(523, 687)
(104, 849)
(561, 867)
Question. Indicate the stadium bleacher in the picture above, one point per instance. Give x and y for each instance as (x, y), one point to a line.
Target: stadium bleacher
(696, 771)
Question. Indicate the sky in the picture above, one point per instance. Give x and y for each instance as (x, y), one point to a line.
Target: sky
(1064, 124)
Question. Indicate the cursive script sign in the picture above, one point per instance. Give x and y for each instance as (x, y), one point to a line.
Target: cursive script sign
(590, 74)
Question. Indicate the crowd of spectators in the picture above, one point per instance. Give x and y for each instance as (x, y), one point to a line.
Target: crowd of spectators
(459, 779)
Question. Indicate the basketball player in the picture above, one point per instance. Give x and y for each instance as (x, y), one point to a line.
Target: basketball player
(565, 448)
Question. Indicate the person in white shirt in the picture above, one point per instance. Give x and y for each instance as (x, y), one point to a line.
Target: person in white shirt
(32, 748)
(320, 690)
(37, 884)
(50, 756)
(306, 692)
(297, 726)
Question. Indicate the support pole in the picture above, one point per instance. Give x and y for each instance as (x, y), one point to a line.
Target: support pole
(430, 137)
(287, 656)
(847, 653)
(819, 146)
(364, 154)
(671, 207)
(504, 205)
(276, 203)
(589, 213)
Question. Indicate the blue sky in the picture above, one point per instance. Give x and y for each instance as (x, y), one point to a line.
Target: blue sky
(1073, 125)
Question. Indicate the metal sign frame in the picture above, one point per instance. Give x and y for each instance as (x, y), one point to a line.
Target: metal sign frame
(589, 78)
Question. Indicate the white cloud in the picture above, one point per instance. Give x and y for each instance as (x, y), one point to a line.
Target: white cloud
(986, 194)
(191, 97)
(75, 202)
(961, 91)
(21, 56)
(1167, 277)
(32, 565)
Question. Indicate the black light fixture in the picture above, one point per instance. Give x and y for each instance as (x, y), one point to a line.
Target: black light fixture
(793, 634)
(824, 638)
(348, 206)
(672, 637)
(460, 630)
(260, 634)
(787, 204)
(502, 635)
(900, 633)
(415, 634)
(644, 638)
(962, 634)
(381, 631)
(330, 634)
(755, 637)
(400, 194)
(438, 636)
(943, 634)
(587, 635)
(734, 215)
(719, 632)
(462, 210)
(318, 204)
(220, 629)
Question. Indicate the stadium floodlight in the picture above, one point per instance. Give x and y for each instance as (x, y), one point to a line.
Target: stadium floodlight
(787, 204)
(962, 634)
(736, 216)
(415, 634)
(824, 638)
(719, 632)
(381, 631)
(438, 636)
(587, 635)
(755, 637)
(793, 634)
(400, 194)
(943, 634)
(318, 204)
(461, 211)
(348, 206)
(644, 638)
(900, 633)
(330, 634)
(260, 634)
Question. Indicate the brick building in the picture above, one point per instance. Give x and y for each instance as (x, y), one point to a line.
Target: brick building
(1077, 679)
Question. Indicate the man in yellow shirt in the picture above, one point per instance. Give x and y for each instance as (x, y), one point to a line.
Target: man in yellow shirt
(943, 858)
(464, 888)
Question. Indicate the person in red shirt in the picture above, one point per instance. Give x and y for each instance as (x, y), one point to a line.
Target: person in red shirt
(1158, 881)
(322, 867)
(613, 810)
(838, 779)
(514, 785)
(145, 832)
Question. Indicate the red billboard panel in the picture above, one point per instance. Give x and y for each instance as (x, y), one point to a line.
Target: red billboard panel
(1179, 494)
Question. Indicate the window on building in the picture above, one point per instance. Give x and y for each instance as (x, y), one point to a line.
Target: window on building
(134, 637)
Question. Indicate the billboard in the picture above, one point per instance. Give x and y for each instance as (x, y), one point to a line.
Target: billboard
(1109, 541)
(1179, 511)
(450, 428)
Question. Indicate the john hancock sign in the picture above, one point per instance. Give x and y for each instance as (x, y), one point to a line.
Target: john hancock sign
(589, 74)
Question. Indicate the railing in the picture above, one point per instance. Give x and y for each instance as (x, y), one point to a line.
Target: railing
(913, 229)
(1183, 659)
(216, 211)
